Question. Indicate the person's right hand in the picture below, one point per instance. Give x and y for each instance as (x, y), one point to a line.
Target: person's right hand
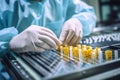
(34, 39)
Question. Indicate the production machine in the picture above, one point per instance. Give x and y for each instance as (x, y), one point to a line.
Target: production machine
(96, 57)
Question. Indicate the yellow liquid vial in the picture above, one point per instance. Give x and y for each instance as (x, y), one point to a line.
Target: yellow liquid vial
(75, 51)
(79, 46)
(84, 54)
(108, 55)
(97, 51)
(66, 53)
(83, 46)
(88, 47)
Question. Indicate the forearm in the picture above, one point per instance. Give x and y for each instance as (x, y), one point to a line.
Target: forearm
(5, 36)
(88, 21)
(84, 13)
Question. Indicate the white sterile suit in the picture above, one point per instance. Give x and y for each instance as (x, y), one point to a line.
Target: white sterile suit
(38, 25)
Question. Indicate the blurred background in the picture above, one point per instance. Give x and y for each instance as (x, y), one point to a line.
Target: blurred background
(107, 11)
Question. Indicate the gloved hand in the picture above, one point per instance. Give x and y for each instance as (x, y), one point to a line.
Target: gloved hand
(71, 32)
(35, 39)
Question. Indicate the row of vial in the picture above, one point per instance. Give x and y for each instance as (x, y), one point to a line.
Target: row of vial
(85, 53)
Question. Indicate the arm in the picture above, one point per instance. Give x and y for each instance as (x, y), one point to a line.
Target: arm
(84, 13)
(6, 35)
(7, 32)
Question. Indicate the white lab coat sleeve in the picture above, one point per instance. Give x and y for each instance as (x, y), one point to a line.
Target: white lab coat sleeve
(84, 13)
(7, 32)
(6, 35)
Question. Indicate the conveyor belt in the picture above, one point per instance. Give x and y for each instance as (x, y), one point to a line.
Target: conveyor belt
(46, 65)
(51, 65)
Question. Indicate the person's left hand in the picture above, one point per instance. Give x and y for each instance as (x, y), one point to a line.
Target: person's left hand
(71, 32)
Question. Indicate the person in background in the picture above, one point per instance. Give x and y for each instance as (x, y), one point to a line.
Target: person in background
(39, 25)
